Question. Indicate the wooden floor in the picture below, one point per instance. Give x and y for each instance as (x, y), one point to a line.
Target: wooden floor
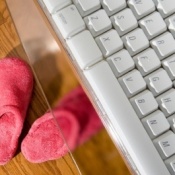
(98, 156)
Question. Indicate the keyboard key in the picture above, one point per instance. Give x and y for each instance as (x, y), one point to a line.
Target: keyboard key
(171, 24)
(111, 7)
(98, 22)
(121, 63)
(170, 163)
(149, 25)
(155, 124)
(171, 121)
(124, 21)
(165, 144)
(158, 81)
(109, 43)
(144, 59)
(164, 45)
(132, 83)
(135, 41)
(65, 22)
(54, 5)
(169, 65)
(144, 103)
(141, 8)
(84, 49)
(165, 7)
(85, 7)
(166, 102)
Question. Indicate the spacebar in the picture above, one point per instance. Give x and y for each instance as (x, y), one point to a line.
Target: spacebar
(124, 120)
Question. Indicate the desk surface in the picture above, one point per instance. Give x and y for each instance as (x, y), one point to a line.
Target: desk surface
(100, 151)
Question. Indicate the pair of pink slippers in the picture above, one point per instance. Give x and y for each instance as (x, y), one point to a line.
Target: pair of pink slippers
(74, 114)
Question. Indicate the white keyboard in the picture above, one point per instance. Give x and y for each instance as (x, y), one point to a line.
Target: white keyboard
(125, 52)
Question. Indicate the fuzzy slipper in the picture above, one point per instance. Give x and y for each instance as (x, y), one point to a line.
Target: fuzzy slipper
(78, 103)
(16, 84)
(45, 141)
(77, 120)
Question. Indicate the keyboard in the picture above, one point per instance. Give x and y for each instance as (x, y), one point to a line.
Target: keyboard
(124, 52)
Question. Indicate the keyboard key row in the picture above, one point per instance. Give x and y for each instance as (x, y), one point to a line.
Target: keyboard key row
(158, 82)
(145, 103)
(140, 8)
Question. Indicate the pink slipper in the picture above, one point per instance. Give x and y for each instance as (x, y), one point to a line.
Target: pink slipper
(45, 141)
(16, 83)
(77, 120)
(78, 103)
